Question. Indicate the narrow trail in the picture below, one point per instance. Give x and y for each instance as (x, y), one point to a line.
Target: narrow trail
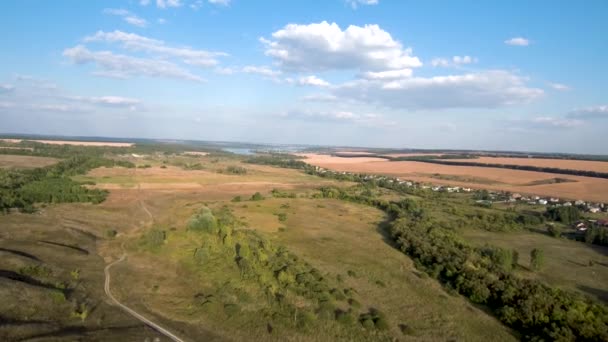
(130, 311)
(127, 309)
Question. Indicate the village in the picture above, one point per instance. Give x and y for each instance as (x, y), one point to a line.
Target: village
(482, 196)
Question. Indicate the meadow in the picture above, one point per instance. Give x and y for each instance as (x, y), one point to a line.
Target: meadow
(219, 247)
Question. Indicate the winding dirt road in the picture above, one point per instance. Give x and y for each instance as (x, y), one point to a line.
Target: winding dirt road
(130, 311)
(127, 309)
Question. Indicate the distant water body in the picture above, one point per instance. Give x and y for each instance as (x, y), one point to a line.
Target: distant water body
(242, 151)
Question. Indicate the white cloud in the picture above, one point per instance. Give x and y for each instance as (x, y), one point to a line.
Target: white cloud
(127, 16)
(589, 113)
(161, 21)
(455, 61)
(486, 89)
(5, 88)
(168, 3)
(517, 41)
(313, 81)
(220, 2)
(558, 86)
(355, 3)
(144, 2)
(440, 62)
(320, 98)
(323, 46)
(112, 101)
(260, 70)
(134, 42)
(337, 116)
(552, 122)
(460, 60)
(387, 75)
(121, 66)
(224, 71)
(196, 5)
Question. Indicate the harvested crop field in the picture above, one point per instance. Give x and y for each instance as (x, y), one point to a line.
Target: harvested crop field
(527, 182)
(70, 142)
(568, 164)
(22, 162)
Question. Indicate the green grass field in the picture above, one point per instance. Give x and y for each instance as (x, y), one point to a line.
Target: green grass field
(357, 266)
(569, 264)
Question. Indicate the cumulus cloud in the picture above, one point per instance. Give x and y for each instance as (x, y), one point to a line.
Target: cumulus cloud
(387, 75)
(590, 113)
(135, 42)
(336, 116)
(127, 16)
(122, 66)
(455, 61)
(355, 3)
(552, 122)
(320, 98)
(260, 70)
(324, 46)
(5, 88)
(220, 2)
(517, 41)
(486, 89)
(440, 62)
(196, 5)
(112, 101)
(313, 81)
(460, 60)
(168, 3)
(559, 86)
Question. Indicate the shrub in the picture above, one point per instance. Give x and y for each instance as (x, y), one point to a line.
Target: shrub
(204, 221)
(306, 319)
(354, 303)
(337, 294)
(110, 233)
(236, 170)
(231, 309)
(537, 259)
(406, 329)
(554, 230)
(345, 317)
(257, 197)
(368, 324)
(154, 238)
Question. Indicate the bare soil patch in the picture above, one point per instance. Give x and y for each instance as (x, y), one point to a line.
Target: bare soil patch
(586, 188)
(69, 142)
(195, 153)
(317, 159)
(17, 161)
(568, 164)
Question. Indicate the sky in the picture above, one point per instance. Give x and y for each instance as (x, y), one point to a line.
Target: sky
(492, 75)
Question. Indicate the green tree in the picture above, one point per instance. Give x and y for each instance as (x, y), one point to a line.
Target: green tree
(537, 259)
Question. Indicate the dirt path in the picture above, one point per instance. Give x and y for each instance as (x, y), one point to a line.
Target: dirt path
(130, 311)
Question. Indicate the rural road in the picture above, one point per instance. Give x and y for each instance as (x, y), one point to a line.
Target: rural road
(130, 311)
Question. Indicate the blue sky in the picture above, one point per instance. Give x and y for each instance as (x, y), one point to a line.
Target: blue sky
(516, 75)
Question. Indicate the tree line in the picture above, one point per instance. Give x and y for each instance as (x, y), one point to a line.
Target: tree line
(21, 189)
(534, 309)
